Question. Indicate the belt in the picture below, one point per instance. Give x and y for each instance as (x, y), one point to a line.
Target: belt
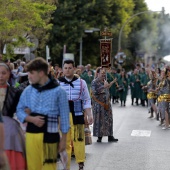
(165, 97)
(151, 96)
(159, 99)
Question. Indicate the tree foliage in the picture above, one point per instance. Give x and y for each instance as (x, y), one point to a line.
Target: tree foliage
(66, 25)
(20, 19)
(73, 17)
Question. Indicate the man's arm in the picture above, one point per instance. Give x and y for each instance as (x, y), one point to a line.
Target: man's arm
(89, 115)
(85, 96)
(64, 117)
(20, 111)
(62, 144)
(23, 116)
(64, 110)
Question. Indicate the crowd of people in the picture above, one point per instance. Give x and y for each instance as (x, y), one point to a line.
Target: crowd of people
(56, 105)
(51, 108)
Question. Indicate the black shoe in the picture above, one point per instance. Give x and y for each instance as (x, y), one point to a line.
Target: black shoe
(81, 165)
(99, 139)
(112, 139)
(73, 156)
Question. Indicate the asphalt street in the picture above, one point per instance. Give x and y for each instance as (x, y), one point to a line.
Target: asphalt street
(142, 145)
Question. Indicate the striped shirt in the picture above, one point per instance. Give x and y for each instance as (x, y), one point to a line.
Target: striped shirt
(78, 92)
(48, 102)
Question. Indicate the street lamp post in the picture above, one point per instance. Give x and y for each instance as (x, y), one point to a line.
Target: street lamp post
(127, 21)
(81, 43)
(81, 49)
(120, 33)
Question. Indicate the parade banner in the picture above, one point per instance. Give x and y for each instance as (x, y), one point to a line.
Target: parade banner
(105, 52)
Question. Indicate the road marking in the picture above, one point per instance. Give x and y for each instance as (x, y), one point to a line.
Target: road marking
(142, 133)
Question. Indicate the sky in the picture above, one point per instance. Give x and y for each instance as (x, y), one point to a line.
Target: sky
(156, 5)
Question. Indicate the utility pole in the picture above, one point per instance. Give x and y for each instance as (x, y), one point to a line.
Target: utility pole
(127, 21)
(81, 48)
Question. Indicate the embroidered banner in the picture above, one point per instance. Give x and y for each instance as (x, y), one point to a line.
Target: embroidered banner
(105, 52)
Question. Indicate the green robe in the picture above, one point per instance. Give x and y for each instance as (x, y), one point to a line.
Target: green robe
(88, 79)
(113, 88)
(135, 86)
(123, 93)
(144, 80)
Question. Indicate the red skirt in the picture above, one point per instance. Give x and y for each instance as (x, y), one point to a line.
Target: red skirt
(16, 160)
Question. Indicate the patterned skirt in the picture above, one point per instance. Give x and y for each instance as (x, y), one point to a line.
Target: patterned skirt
(103, 120)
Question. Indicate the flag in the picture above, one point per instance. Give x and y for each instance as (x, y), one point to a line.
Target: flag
(105, 52)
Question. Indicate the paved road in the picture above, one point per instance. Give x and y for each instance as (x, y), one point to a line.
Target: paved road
(142, 145)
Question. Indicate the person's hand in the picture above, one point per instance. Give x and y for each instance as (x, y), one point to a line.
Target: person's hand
(90, 119)
(62, 145)
(106, 84)
(85, 120)
(27, 110)
(38, 121)
(151, 90)
(89, 73)
(2, 159)
(115, 80)
(157, 89)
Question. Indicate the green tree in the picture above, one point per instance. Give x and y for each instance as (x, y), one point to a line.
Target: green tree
(20, 19)
(70, 20)
(143, 35)
(163, 35)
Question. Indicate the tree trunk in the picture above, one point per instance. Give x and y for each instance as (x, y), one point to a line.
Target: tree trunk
(1, 46)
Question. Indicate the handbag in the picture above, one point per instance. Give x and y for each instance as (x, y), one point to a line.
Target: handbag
(88, 137)
(60, 165)
(62, 161)
(106, 106)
